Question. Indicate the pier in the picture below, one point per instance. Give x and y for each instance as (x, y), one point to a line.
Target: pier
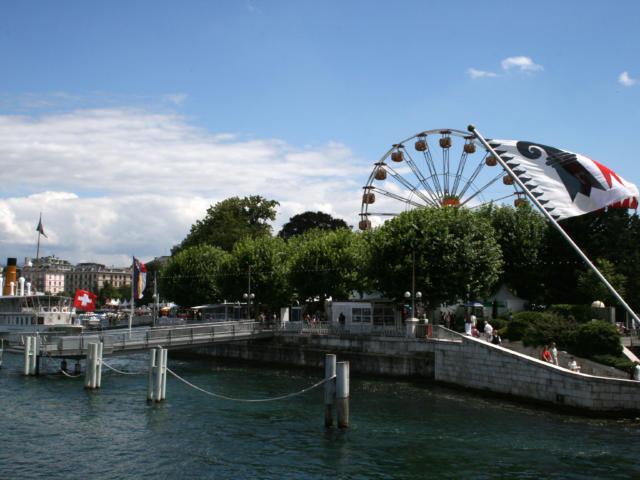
(124, 342)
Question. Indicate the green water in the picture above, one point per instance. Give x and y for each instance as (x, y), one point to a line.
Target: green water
(52, 428)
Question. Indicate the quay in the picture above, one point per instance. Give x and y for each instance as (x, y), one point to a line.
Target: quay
(445, 357)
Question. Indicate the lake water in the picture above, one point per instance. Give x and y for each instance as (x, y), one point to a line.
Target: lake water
(50, 427)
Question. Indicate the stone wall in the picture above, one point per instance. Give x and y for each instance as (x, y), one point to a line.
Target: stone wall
(378, 356)
(461, 361)
(477, 364)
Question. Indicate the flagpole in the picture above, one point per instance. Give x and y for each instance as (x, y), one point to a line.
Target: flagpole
(35, 280)
(553, 221)
(133, 278)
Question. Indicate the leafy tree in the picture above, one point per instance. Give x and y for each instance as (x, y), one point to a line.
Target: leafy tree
(591, 287)
(610, 234)
(298, 224)
(456, 255)
(106, 292)
(230, 220)
(267, 259)
(521, 233)
(192, 276)
(327, 263)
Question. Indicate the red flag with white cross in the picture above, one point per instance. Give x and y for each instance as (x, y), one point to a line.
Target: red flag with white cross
(85, 300)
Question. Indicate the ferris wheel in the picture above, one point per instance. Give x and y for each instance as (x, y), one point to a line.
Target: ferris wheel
(434, 168)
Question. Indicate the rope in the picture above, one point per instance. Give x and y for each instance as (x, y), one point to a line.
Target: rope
(222, 397)
(120, 371)
(69, 375)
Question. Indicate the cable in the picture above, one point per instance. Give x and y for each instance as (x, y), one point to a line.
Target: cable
(222, 397)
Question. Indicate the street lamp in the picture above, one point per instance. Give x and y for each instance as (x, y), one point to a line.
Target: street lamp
(413, 297)
(249, 297)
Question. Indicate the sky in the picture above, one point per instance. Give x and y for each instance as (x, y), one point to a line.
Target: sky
(122, 122)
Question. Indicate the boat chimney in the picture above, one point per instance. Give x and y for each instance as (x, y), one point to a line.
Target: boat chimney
(21, 282)
(10, 275)
(28, 288)
(12, 289)
(1, 283)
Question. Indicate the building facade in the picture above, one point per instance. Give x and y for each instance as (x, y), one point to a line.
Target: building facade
(49, 276)
(94, 276)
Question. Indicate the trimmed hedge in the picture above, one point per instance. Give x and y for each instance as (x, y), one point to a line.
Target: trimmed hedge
(582, 313)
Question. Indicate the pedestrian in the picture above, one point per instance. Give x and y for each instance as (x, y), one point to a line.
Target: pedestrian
(636, 371)
(467, 325)
(475, 333)
(495, 338)
(554, 353)
(488, 330)
(341, 318)
(546, 354)
(573, 365)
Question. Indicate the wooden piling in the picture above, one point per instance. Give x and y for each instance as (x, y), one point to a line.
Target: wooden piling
(342, 394)
(329, 388)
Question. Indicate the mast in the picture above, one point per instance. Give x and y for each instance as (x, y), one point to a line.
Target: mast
(555, 224)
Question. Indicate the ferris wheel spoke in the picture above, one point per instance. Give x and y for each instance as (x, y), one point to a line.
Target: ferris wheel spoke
(445, 169)
(403, 181)
(419, 175)
(395, 196)
(461, 165)
(479, 191)
(494, 200)
(473, 177)
(433, 171)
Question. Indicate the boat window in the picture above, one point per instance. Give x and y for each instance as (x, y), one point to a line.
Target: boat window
(40, 320)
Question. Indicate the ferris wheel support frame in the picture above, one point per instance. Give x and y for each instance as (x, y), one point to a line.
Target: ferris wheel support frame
(553, 221)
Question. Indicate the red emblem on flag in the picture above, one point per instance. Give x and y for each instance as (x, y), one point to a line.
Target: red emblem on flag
(85, 300)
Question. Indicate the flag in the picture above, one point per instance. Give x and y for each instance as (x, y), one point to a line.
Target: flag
(567, 184)
(139, 278)
(39, 228)
(85, 300)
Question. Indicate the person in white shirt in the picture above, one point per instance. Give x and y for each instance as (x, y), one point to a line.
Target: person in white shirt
(554, 353)
(488, 330)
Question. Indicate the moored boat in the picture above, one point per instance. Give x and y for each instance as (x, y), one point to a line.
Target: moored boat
(37, 313)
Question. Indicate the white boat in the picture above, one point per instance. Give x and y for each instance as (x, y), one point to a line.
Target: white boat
(37, 313)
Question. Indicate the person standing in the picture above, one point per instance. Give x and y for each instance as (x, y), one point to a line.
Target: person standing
(488, 330)
(495, 338)
(636, 371)
(554, 353)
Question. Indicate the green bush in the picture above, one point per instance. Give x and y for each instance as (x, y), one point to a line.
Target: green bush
(498, 323)
(621, 362)
(596, 338)
(582, 313)
(549, 327)
(522, 321)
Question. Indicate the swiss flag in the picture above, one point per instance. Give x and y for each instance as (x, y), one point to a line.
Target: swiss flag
(85, 300)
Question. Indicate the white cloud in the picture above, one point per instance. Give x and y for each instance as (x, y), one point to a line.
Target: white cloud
(524, 64)
(111, 183)
(474, 73)
(626, 80)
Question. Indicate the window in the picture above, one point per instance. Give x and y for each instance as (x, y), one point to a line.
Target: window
(383, 314)
(361, 315)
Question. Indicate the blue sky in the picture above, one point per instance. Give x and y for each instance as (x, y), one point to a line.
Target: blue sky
(123, 121)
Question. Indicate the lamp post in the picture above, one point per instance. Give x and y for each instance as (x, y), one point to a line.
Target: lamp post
(413, 297)
(248, 297)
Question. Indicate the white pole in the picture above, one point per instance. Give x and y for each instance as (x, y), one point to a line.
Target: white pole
(99, 347)
(163, 388)
(87, 369)
(342, 394)
(329, 388)
(553, 221)
(152, 364)
(158, 375)
(27, 352)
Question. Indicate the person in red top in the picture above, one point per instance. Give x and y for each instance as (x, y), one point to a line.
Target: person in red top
(546, 354)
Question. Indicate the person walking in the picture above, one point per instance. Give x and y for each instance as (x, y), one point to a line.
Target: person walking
(546, 354)
(554, 353)
(488, 330)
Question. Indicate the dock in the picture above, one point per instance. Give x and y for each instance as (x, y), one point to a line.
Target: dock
(125, 342)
